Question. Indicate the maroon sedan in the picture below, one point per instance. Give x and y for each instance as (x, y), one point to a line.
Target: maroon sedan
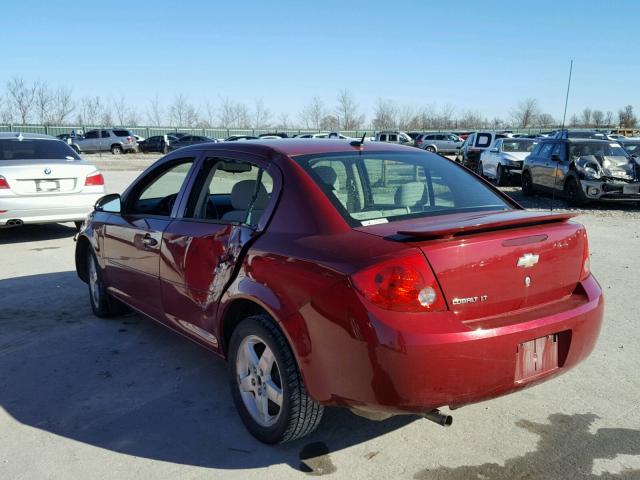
(371, 276)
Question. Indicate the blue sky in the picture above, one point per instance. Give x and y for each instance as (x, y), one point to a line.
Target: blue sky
(483, 56)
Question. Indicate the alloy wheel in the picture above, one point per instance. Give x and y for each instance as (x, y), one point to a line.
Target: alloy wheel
(259, 380)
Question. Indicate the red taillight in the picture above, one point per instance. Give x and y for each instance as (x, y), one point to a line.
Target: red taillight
(129, 140)
(586, 262)
(404, 285)
(94, 179)
(3, 182)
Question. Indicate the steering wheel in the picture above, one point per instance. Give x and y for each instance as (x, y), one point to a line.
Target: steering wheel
(165, 205)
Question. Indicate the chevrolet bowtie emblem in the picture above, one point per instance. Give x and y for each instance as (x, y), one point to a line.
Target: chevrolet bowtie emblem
(528, 260)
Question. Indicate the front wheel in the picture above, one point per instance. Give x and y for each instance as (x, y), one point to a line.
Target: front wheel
(102, 304)
(573, 193)
(266, 384)
(430, 149)
(480, 169)
(116, 150)
(501, 177)
(527, 185)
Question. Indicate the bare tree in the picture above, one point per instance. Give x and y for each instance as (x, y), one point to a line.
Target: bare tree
(283, 121)
(233, 114)
(261, 115)
(586, 117)
(385, 115)
(574, 121)
(312, 114)
(155, 112)
(347, 111)
(445, 118)
(90, 110)
(497, 123)
(62, 105)
(608, 119)
(525, 113)
(597, 117)
(43, 102)
(330, 122)
(208, 114)
(21, 97)
(470, 119)
(405, 117)
(627, 118)
(121, 110)
(545, 120)
(182, 113)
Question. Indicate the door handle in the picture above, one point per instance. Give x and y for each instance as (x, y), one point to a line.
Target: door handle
(149, 241)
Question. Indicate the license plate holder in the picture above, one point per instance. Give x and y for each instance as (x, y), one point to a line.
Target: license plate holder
(630, 189)
(536, 358)
(47, 185)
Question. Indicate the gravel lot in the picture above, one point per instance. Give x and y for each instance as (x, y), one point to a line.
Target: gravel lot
(125, 398)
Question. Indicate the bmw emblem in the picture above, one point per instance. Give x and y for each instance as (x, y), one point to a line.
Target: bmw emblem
(47, 171)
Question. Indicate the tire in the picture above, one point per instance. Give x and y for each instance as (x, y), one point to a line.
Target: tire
(480, 169)
(501, 178)
(528, 189)
(430, 149)
(116, 149)
(573, 193)
(75, 149)
(297, 414)
(102, 304)
(78, 225)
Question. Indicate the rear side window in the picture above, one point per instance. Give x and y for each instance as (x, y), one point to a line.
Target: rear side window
(29, 149)
(483, 140)
(123, 133)
(230, 192)
(372, 188)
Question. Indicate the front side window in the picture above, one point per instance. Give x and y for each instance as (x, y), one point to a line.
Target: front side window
(545, 151)
(518, 145)
(376, 187)
(484, 140)
(228, 191)
(157, 196)
(393, 138)
(92, 134)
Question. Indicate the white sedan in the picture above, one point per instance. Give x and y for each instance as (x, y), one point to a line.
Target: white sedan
(42, 180)
(505, 157)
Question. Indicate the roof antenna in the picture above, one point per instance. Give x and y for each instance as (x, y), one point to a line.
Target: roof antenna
(563, 134)
(359, 144)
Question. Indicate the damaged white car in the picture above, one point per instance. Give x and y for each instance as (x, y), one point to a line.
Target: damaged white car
(583, 170)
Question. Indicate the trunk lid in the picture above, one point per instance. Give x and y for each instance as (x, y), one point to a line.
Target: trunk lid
(45, 177)
(496, 263)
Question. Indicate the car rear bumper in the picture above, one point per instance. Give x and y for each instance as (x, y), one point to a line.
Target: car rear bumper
(47, 208)
(394, 366)
(611, 191)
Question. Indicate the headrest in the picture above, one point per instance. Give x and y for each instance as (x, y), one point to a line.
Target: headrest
(328, 176)
(242, 193)
(409, 194)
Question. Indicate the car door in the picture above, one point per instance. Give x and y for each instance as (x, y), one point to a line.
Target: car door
(132, 238)
(490, 158)
(104, 142)
(230, 200)
(90, 141)
(560, 166)
(540, 169)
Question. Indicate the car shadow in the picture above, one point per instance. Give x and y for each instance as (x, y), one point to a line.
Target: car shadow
(566, 449)
(32, 233)
(131, 386)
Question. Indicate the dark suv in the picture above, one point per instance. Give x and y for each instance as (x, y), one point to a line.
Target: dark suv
(582, 169)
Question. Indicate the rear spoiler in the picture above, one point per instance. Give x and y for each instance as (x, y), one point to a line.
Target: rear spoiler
(486, 223)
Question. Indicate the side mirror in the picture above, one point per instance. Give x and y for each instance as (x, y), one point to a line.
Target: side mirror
(555, 158)
(109, 203)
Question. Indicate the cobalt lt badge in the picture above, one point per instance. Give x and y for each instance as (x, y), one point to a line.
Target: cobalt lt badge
(47, 171)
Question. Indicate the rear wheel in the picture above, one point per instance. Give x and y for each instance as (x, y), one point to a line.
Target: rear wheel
(102, 304)
(266, 384)
(573, 193)
(430, 149)
(116, 149)
(527, 185)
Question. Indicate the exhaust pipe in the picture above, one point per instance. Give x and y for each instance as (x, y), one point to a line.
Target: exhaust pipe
(438, 417)
(14, 223)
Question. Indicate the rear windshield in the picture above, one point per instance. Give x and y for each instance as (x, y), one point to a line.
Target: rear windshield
(371, 188)
(518, 145)
(123, 133)
(32, 149)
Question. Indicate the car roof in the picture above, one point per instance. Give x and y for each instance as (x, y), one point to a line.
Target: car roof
(299, 146)
(27, 135)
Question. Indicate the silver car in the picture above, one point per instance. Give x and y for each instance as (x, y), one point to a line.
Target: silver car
(439, 142)
(116, 141)
(42, 180)
(504, 159)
